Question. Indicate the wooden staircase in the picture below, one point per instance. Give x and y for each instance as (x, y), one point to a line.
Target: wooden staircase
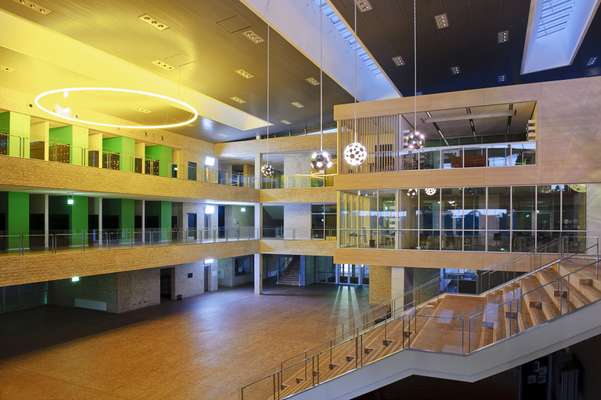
(454, 323)
(291, 275)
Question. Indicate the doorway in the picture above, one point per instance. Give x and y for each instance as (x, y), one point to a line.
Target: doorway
(352, 274)
(167, 283)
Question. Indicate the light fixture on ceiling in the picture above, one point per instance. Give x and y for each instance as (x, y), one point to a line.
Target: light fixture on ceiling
(209, 209)
(209, 260)
(591, 61)
(355, 153)
(363, 5)
(244, 73)
(143, 110)
(297, 104)
(286, 122)
(320, 160)
(33, 6)
(312, 81)
(455, 70)
(442, 22)
(267, 170)
(176, 102)
(75, 279)
(210, 161)
(398, 61)
(4, 68)
(152, 21)
(70, 201)
(502, 37)
(164, 65)
(253, 36)
(415, 140)
(237, 99)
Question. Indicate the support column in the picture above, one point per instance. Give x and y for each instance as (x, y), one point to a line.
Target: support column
(379, 284)
(100, 230)
(397, 284)
(258, 220)
(258, 171)
(127, 219)
(213, 277)
(258, 273)
(46, 221)
(18, 220)
(79, 221)
(164, 155)
(18, 127)
(143, 221)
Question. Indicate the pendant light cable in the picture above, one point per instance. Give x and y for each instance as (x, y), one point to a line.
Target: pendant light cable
(355, 73)
(320, 75)
(415, 66)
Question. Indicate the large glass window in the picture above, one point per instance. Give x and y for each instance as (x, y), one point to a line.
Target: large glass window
(408, 216)
(574, 207)
(323, 221)
(452, 218)
(387, 219)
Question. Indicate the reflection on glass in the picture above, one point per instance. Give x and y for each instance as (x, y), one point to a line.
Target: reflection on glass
(408, 209)
(474, 208)
(523, 207)
(497, 213)
(548, 206)
(409, 161)
(429, 240)
(523, 153)
(452, 158)
(452, 209)
(474, 158)
(574, 207)
(522, 241)
(429, 159)
(474, 240)
(451, 240)
(408, 239)
(498, 155)
(498, 241)
(429, 210)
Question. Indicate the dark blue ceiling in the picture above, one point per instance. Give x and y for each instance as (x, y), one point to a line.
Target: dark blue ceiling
(469, 42)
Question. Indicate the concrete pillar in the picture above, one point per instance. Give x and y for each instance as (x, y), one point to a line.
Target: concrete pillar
(258, 272)
(397, 284)
(297, 221)
(100, 230)
(143, 221)
(258, 171)
(379, 284)
(213, 277)
(258, 220)
(46, 221)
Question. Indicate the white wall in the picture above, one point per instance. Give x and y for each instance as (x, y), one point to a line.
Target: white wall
(397, 282)
(138, 289)
(186, 285)
(297, 221)
(227, 274)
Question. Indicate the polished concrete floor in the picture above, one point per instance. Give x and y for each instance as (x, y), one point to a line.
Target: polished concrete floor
(199, 348)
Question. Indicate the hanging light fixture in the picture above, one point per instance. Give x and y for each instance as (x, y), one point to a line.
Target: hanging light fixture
(267, 169)
(321, 160)
(430, 191)
(411, 192)
(355, 153)
(414, 140)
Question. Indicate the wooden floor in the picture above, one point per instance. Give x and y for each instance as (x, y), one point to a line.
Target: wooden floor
(200, 348)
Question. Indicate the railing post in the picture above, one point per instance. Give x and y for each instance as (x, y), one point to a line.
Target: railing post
(22, 245)
(462, 334)
(469, 335)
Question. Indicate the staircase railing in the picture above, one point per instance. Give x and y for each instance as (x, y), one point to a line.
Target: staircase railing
(371, 340)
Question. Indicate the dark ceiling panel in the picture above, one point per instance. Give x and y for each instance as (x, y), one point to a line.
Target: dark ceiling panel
(470, 42)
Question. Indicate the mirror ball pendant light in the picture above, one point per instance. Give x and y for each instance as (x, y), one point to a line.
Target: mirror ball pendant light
(355, 153)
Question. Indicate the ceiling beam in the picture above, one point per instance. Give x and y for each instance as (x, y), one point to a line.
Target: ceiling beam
(298, 21)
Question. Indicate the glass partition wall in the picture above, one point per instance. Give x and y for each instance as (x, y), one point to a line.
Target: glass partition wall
(467, 137)
(500, 219)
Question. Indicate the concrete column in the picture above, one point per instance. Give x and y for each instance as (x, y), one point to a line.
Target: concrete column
(297, 221)
(100, 232)
(258, 171)
(143, 221)
(213, 277)
(46, 221)
(258, 220)
(397, 284)
(258, 272)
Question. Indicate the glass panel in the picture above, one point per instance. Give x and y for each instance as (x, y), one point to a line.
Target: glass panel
(429, 240)
(474, 208)
(408, 212)
(474, 158)
(498, 155)
(408, 239)
(523, 153)
(523, 207)
(451, 240)
(452, 209)
(409, 161)
(547, 242)
(429, 210)
(497, 213)
(548, 207)
(474, 240)
(429, 159)
(191, 171)
(522, 241)
(452, 158)
(387, 221)
(498, 241)
(574, 207)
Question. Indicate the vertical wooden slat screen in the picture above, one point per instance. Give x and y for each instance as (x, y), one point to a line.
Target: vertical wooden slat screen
(380, 135)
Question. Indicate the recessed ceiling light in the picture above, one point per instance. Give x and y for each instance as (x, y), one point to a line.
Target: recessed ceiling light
(312, 81)
(297, 104)
(592, 61)
(442, 21)
(34, 6)
(455, 70)
(244, 73)
(363, 5)
(152, 21)
(5, 68)
(237, 99)
(253, 36)
(164, 65)
(143, 110)
(398, 61)
(501, 78)
(286, 122)
(502, 37)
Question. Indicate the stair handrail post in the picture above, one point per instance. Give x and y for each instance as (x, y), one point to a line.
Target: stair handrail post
(469, 335)
(357, 348)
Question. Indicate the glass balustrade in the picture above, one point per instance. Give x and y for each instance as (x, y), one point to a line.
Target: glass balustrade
(296, 181)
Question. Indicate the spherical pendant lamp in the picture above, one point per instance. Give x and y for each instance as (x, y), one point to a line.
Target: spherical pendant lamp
(355, 154)
(321, 160)
(267, 170)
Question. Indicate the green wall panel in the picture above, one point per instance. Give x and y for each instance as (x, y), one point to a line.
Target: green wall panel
(18, 219)
(79, 220)
(17, 126)
(166, 211)
(165, 156)
(127, 218)
(126, 147)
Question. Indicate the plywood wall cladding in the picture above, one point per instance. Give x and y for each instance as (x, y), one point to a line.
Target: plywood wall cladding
(32, 174)
(567, 143)
(434, 259)
(41, 267)
(300, 195)
(246, 148)
(298, 247)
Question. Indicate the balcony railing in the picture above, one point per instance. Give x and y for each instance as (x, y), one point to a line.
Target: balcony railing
(297, 234)
(296, 181)
(54, 241)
